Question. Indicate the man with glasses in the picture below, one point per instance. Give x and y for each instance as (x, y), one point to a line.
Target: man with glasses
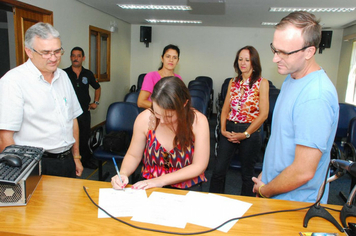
(81, 78)
(38, 106)
(305, 116)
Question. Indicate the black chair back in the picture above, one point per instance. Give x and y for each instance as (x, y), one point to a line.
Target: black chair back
(346, 113)
(140, 81)
(199, 104)
(206, 79)
(120, 116)
(202, 84)
(224, 88)
(203, 89)
(132, 97)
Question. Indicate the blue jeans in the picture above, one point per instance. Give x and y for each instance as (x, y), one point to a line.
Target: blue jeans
(248, 152)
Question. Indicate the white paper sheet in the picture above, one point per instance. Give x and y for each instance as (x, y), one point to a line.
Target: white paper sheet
(208, 210)
(120, 203)
(163, 209)
(211, 210)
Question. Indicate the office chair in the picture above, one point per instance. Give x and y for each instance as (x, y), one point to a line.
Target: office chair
(204, 84)
(206, 79)
(140, 81)
(205, 90)
(200, 92)
(199, 104)
(350, 144)
(209, 81)
(132, 97)
(120, 117)
(273, 95)
(346, 113)
(271, 85)
(219, 104)
(349, 151)
(224, 91)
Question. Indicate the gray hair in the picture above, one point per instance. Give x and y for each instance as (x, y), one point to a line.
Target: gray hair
(41, 30)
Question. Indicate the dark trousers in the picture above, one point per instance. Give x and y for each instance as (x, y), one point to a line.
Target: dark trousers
(58, 165)
(84, 135)
(248, 151)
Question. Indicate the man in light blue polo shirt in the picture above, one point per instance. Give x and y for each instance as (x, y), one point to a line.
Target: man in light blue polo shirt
(305, 117)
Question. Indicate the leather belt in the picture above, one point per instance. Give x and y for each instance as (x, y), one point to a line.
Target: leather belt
(235, 122)
(60, 156)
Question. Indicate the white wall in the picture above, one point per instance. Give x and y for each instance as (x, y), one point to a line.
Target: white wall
(204, 50)
(344, 65)
(211, 51)
(72, 19)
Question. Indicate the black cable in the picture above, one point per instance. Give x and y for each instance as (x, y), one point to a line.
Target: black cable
(193, 233)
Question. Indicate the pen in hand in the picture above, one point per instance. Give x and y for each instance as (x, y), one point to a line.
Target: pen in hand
(117, 170)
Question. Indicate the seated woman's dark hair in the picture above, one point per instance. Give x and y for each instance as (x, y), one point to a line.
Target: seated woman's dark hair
(170, 93)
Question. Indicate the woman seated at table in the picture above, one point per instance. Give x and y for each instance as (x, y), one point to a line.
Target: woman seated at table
(169, 58)
(174, 139)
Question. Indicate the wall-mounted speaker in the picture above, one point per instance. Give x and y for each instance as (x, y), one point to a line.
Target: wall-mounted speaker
(146, 34)
(325, 41)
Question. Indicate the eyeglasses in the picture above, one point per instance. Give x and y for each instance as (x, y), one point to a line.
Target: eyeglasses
(282, 54)
(166, 157)
(48, 54)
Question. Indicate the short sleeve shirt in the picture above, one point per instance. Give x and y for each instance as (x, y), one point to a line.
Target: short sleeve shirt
(40, 113)
(81, 85)
(150, 80)
(306, 113)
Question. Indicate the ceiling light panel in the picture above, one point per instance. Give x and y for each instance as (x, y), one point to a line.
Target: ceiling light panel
(292, 9)
(269, 23)
(174, 21)
(154, 7)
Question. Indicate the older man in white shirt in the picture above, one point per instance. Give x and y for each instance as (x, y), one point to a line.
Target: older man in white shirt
(38, 106)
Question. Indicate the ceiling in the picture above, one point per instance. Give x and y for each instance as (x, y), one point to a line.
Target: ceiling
(229, 13)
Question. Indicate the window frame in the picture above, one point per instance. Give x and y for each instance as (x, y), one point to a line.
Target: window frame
(99, 33)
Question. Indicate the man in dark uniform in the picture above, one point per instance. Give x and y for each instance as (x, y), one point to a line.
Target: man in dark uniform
(81, 78)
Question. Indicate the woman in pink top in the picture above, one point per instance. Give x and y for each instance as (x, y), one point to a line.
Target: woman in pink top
(170, 58)
(245, 109)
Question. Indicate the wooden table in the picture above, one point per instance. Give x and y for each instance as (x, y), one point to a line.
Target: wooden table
(59, 206)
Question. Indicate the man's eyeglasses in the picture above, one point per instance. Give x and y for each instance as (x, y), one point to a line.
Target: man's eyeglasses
(48, 54)
(166, 157)
(282, 54)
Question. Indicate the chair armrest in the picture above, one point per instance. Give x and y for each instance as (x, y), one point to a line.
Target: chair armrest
(335, 152)
(349, 152)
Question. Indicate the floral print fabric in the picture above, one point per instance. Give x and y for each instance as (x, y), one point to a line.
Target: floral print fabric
(244, 101)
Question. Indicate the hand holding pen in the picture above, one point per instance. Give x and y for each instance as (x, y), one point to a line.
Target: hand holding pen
(118, 181)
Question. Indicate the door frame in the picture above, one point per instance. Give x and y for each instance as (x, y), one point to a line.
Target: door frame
(21, 10)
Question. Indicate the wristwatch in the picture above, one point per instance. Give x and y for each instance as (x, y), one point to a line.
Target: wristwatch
(96, 102)
(247, 134)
